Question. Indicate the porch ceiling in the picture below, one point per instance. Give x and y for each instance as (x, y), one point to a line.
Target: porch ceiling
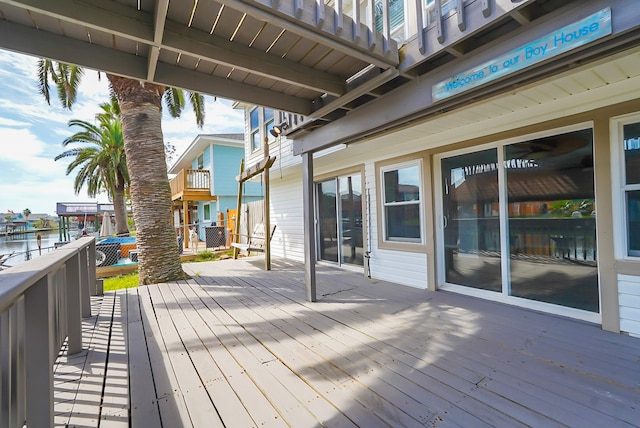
(272, 54)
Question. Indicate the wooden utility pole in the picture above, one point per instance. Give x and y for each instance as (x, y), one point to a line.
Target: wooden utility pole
(236, 235)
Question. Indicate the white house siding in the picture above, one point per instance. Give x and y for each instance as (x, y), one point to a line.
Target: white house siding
(286, 214)
(399, 267)
(629, 300)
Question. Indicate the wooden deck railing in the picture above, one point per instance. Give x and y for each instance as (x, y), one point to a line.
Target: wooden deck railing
(42, 303)
(190, 180)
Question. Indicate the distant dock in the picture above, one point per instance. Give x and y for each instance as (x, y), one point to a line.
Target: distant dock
(23, 231)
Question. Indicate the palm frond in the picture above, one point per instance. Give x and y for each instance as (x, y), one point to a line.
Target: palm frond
(44, 72)
(174, 98)
(68, 81)
(197, 103)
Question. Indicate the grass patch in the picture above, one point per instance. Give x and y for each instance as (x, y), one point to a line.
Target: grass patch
(132, 279)
(121, 281)
(206, 255)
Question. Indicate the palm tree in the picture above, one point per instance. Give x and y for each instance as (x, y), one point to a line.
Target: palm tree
(101, 162)
(141, 116)
(26, 213)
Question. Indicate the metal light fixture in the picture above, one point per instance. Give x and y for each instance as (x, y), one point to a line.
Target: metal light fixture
(278, 129)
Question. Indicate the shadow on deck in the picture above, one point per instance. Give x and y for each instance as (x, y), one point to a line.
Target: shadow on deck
(236, 346)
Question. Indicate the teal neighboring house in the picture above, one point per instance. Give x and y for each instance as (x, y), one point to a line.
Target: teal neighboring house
(204, 189)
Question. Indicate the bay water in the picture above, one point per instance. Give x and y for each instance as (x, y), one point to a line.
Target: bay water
(25, 243)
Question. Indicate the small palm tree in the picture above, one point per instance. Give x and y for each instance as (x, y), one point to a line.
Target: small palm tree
(101, 161)
(26, 213)
(141, 115)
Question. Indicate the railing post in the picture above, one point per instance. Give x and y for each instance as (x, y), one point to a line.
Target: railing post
(85, 291)
(12, 373)
(73, 312)
(91, 259)
(39, 324)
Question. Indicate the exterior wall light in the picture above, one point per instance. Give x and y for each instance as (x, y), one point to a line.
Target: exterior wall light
(278, 129)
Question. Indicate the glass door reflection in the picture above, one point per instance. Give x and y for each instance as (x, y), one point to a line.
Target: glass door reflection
(552, 225)
(328, 221)
(340, 233)
(350, 190)
(471, 220)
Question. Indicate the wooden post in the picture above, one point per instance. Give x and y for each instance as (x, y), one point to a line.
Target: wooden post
(185, 232)
(309, 227)
(74, 299)
(38, 346)
(236, 236)
(267, 218)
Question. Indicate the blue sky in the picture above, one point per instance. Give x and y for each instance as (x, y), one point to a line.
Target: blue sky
(31, 135)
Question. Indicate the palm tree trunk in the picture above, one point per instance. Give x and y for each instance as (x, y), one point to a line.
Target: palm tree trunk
(140, 105)
(120, 208)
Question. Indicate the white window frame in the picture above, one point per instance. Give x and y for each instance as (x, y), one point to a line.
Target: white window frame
(268, 124)
(620, 188)
(255, 130)
(419, 202)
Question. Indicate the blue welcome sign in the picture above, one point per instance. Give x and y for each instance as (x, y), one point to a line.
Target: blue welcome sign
(565, 39)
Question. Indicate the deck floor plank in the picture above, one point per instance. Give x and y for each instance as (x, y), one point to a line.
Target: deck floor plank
(86, 409)
(230, 336)
(114, 410)
(398, 376)
(242, 347)
(142, 394)
(171, 400)
(495, 342)
(340, 384)
(213, 379)
(285, 368)
(200, 409)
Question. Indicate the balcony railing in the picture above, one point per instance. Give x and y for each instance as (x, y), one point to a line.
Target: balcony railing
(190, 182)
(42, 303)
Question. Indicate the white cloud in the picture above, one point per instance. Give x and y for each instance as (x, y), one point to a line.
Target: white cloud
(11, 122)
(19, 144)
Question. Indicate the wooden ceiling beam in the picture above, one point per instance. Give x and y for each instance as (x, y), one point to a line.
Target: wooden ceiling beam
(30, 41)
(178, 77)
(216, 49)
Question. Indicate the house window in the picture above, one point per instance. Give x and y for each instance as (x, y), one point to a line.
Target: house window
(201, 161)
(207, 212)
(268, 124)
(254, 119)
(396, 15)
(446, 7)
(401, 187)
(631, 185)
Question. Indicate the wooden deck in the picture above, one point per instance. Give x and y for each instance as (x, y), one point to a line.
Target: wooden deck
(238, 347)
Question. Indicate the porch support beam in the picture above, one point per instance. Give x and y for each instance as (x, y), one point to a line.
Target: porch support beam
(160, 17)
(309, 228)
(185, 231)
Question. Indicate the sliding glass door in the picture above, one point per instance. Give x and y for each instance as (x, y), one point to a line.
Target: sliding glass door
(471, 223)
(340, 234)
(519, 219)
